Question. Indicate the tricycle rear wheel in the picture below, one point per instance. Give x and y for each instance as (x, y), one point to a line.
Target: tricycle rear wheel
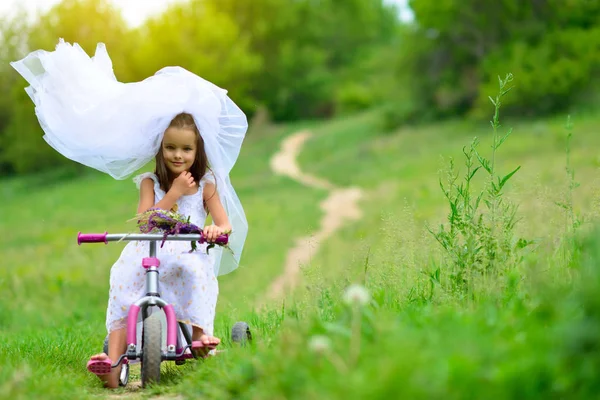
(240, 333)
(124, 377)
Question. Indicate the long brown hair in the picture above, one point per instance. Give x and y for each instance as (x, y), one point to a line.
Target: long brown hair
(200, 166)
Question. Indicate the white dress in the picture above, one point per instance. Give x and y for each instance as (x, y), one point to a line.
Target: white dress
(187, 280)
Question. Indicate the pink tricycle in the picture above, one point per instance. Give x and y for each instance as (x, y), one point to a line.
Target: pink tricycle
(151, 353)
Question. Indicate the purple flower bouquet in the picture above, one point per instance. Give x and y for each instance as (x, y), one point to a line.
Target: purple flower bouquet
(156, 220)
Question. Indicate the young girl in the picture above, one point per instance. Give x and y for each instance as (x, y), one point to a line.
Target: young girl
(181, 179)
(183, 121)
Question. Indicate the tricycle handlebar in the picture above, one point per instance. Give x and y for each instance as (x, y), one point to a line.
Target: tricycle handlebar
(106, 237)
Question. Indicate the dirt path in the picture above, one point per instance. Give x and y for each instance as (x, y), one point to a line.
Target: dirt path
(339, 207)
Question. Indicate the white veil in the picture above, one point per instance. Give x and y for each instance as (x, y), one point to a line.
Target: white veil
(90, 117)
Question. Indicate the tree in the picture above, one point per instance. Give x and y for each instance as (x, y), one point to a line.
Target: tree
(200, 37)
(14, 37)
(305, 46)
(457, 49)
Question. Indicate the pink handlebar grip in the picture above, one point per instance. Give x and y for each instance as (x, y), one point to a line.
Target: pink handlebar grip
(91, 238)
(221, 240)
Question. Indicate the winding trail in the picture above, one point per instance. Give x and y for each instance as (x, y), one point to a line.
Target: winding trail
(339, 207)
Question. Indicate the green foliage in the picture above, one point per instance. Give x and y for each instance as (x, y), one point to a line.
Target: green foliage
(452, 55)
(478, 242)
(581, 346)
(22, 147)
(306, 46)
(573, 220)
(202, 38)
(103, 23)
(369, 82)
(551, 71)
(14, 35)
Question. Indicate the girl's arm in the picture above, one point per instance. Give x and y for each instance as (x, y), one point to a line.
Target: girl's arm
(216, 209)
(147, 197)
(185, 181)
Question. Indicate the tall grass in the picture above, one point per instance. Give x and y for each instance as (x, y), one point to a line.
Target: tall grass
(480, 243)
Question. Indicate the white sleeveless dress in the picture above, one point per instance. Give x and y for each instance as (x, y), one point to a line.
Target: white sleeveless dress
(187, 280)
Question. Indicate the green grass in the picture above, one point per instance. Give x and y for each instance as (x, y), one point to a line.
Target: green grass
(401, 172)
(519, 337)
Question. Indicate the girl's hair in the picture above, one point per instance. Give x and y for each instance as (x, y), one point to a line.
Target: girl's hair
(200, 166)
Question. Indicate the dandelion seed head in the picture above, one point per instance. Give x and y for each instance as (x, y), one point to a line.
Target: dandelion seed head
(357, 295)
(319, 344)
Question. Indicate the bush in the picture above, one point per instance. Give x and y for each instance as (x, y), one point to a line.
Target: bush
(550, 73)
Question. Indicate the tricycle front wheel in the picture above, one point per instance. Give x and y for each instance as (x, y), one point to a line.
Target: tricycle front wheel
(151, 350)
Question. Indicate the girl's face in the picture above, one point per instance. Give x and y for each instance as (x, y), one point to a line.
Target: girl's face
(179, 149)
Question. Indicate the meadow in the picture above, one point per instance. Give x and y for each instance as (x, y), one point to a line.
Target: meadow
(523, 324)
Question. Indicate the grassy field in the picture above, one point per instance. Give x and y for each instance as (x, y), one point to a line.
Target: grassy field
(401, 172)
(527, 332)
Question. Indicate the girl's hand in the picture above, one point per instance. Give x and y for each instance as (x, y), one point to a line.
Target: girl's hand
(183, 183)
(212, 232)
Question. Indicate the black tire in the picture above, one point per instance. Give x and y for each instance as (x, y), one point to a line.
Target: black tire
(105, 346)
(240, 333)
(124, 378)
(151, 350)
